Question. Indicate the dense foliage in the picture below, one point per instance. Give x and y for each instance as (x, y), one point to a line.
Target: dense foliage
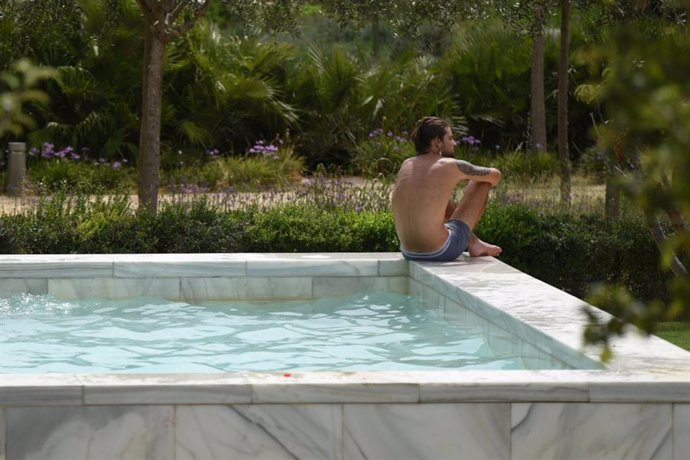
(227, 85)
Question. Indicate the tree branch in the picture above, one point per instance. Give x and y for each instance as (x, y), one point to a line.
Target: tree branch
(660, 239)
(189, 23)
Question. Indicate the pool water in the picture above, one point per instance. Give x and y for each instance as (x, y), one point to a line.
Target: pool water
(373, 331)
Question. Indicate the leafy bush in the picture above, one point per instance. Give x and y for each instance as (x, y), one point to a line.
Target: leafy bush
(53, 169)
(382, 154)
(526, 167)
(294, 228)
(264, 165)
(573, 253)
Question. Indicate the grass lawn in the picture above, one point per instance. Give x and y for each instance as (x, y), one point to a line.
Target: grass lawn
(677, 333)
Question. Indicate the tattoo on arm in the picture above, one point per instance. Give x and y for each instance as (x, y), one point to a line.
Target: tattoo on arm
(472, 170)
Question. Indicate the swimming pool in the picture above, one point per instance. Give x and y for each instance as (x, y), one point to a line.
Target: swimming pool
(377, 330)
(637, 406)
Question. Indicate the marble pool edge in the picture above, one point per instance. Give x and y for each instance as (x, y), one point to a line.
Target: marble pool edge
(644, 370)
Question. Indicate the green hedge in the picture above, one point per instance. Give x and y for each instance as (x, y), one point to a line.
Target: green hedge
(569, 252)
(575, 252)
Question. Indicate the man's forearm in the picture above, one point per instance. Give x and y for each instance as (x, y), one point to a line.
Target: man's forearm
(479, 173)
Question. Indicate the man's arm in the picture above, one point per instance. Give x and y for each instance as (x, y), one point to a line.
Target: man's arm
(478, 173)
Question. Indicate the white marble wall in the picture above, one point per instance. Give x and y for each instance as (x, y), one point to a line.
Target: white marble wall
(640, 410)
(518, 431)
(190, 277)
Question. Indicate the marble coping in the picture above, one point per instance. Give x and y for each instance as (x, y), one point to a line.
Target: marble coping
(644, 369)
(201, 265)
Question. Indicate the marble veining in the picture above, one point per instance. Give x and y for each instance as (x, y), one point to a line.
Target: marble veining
(10, 287)
(583, 431)
(105, 432)
(313, 268)
(681, 431)
(114, 288)
(2, 434)
(44, 390)
(438, 431)
(177, 269)
(259, 432)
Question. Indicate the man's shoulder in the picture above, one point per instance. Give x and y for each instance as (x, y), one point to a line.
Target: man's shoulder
(448, 162)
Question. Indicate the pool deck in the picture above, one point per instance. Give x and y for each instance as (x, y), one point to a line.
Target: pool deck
(637, 405)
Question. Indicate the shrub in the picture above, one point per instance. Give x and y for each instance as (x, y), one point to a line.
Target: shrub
(575, 252)
(572, 253)
(294, 228)
(195, 228)
(527, 166)
(185, 170)
(54, 169)
(381, 154)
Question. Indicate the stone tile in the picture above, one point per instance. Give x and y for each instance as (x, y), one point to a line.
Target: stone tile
(328, 286)
(557, 430)
(166, 389)
(681, 431)
(259, 431)
(279, 288)
(179, 269)
(114, 288)
(39, 389)
(201, 289)
(104, 432)
(10, 287)
(438, 431)
(396, 267)
(283, 393)
(506, 386)
(658, 390)
(312, 267)
(2, 434)
(398, 284)
(50, 266)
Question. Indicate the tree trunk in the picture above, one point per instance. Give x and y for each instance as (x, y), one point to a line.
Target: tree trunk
(149, 137)
(612, 200)
(563, 150)
(537, 103)
(375, 35)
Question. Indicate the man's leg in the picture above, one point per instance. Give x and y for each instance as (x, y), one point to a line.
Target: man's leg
(470, 209)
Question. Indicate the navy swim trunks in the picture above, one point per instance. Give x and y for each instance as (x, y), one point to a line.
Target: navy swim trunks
(458, 239)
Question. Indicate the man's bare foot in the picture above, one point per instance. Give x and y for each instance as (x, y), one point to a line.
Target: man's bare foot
(478, 248)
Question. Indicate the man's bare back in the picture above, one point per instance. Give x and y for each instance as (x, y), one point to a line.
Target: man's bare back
(422, 195)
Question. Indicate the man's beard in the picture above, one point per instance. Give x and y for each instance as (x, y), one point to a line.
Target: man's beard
(449, 154)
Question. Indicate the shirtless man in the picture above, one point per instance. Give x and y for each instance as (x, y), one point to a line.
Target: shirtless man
(422, 198)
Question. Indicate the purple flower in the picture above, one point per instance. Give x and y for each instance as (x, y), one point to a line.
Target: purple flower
(117, 165)
(48, 150)
(261, 148)
(375, 133)
(63, 153)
